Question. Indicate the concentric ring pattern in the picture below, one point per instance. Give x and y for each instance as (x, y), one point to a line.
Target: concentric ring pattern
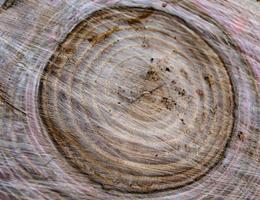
(129, 99)
(137, 101)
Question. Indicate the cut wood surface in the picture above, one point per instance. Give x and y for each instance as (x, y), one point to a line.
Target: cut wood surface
(130, 99)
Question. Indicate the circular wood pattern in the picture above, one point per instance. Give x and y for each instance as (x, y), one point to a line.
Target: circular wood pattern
(137, 101)
(130, 99)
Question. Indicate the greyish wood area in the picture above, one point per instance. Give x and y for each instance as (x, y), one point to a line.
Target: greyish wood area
(6, 3)
(129, 99)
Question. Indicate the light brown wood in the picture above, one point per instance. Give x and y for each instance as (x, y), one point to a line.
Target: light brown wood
(129, 100)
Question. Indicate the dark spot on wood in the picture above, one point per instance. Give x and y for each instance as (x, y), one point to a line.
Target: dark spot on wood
(180, 91)
(241, 136)
(167, 69)
(164, 4)
(173, 82)
(152, 75)
(200, 92)
(168, 103)
(209, 80)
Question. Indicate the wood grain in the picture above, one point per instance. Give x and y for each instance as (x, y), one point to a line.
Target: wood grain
(129, 100)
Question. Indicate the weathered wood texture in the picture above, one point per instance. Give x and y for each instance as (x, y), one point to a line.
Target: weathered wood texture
(6, 3)
(130, 99)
